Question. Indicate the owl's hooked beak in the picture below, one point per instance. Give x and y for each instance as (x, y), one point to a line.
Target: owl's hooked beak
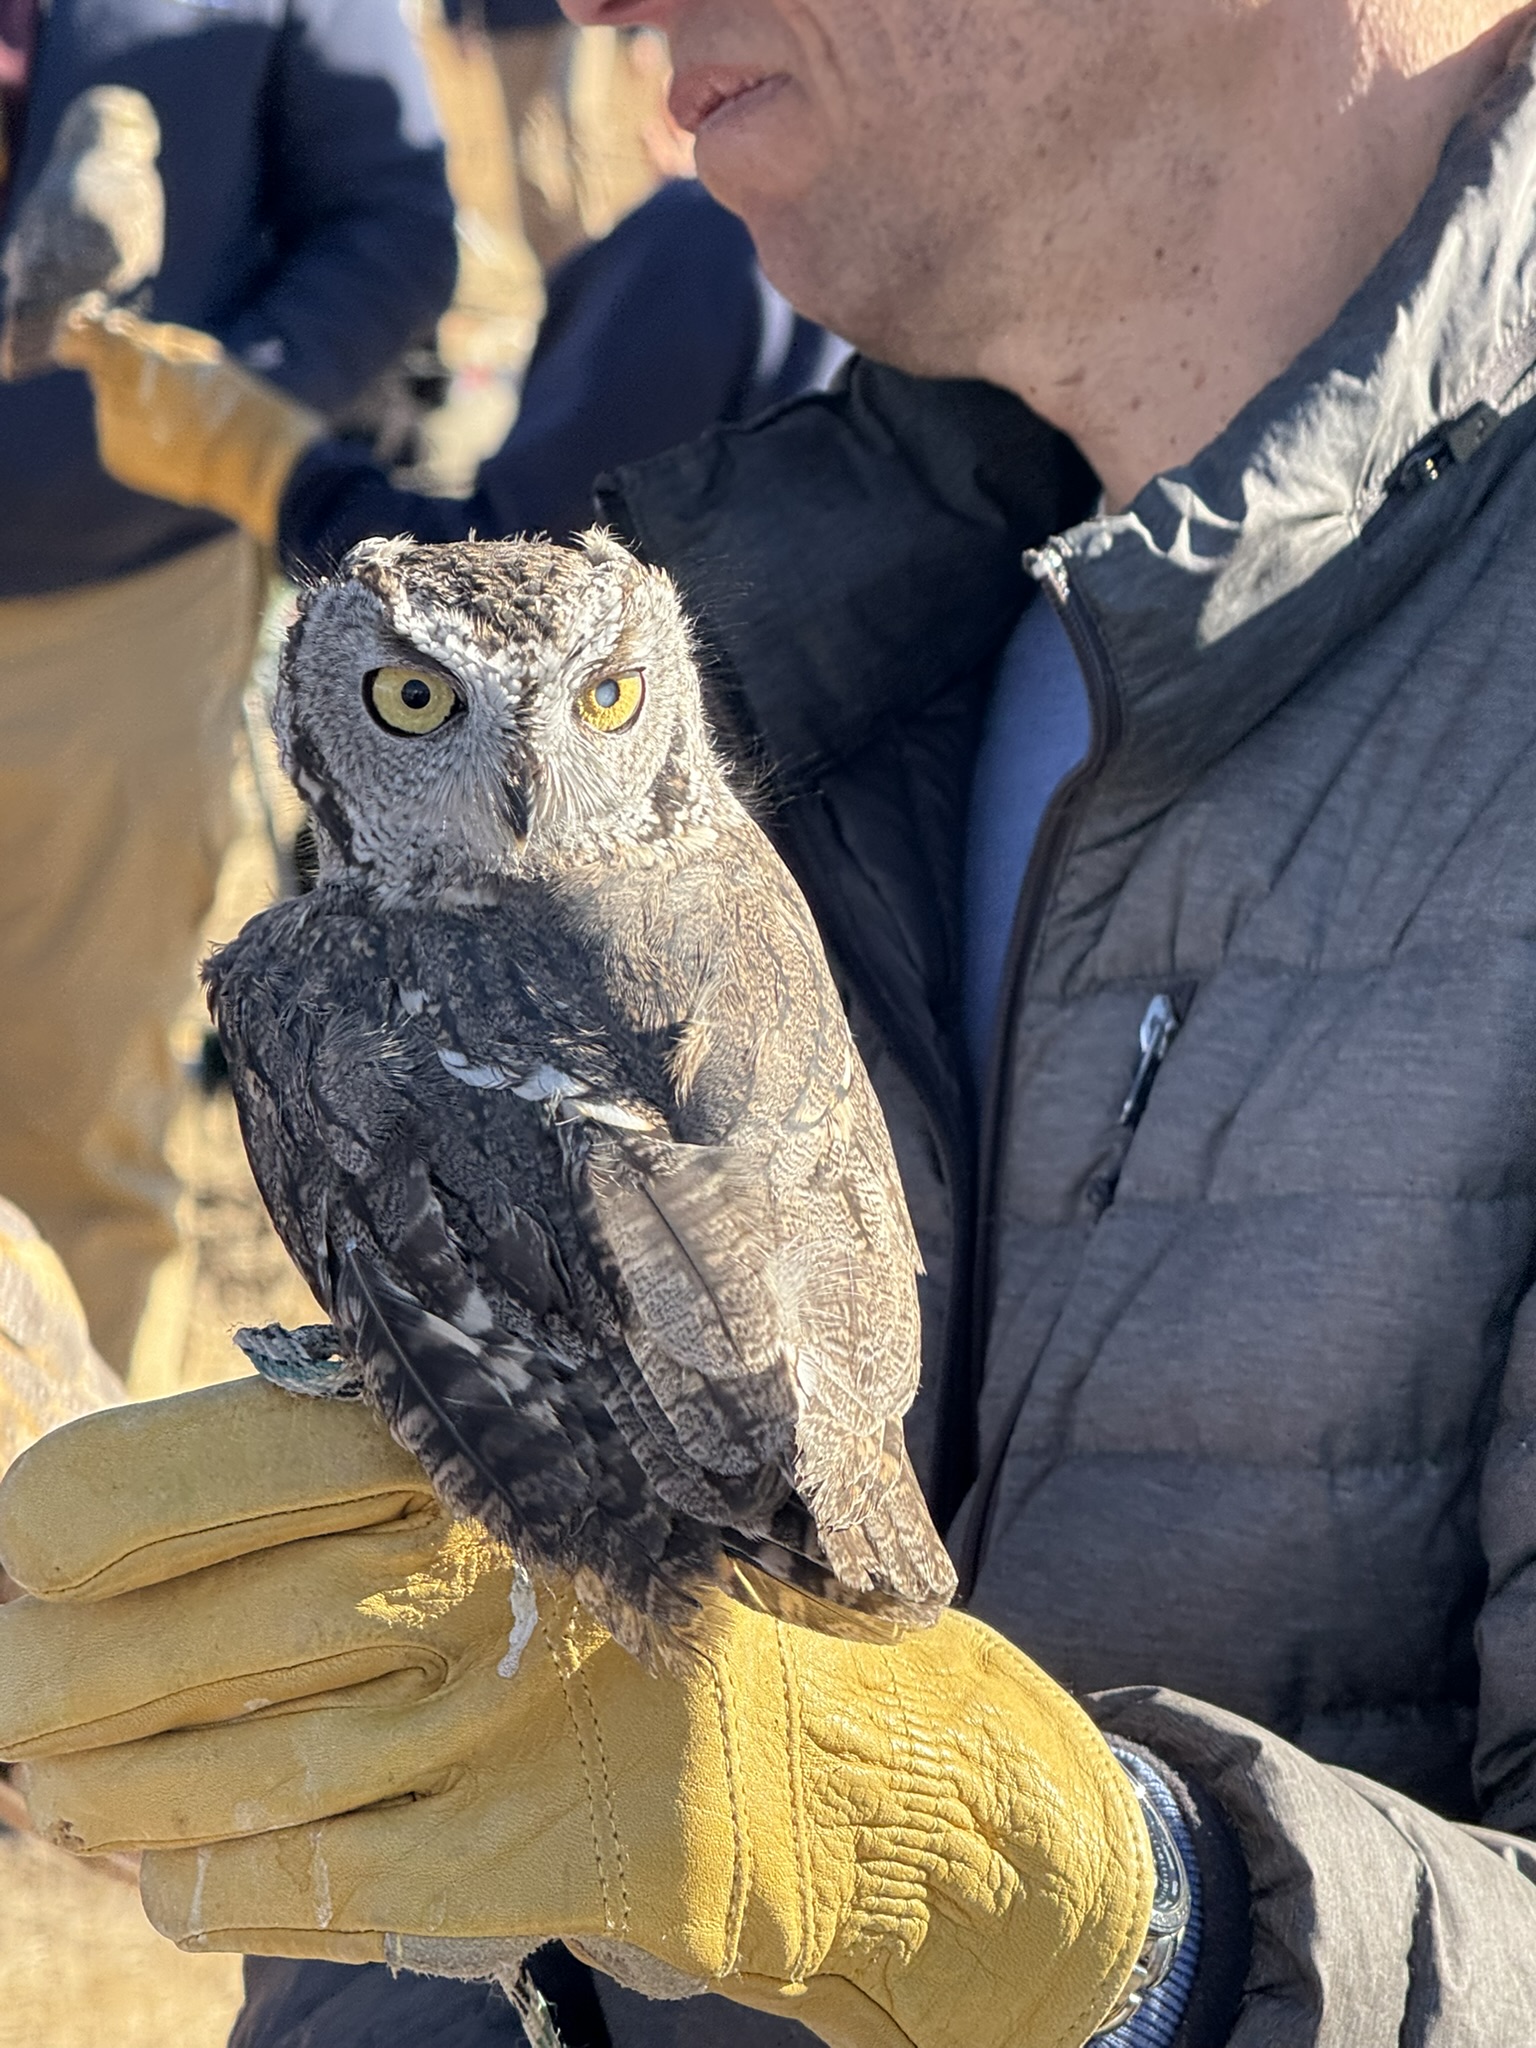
(515, 804)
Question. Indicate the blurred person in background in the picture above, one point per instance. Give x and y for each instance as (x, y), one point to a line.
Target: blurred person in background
(660, 329)
(586, 118)
(1136, 649)
(533, 48)
(651, 334)
(308, 225)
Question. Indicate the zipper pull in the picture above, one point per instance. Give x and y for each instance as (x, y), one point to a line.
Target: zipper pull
(1048, 566)
(1457, 442)
(1159, 1028)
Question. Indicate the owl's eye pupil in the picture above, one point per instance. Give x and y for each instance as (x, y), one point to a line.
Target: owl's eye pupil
(416, 694)
(611, 703)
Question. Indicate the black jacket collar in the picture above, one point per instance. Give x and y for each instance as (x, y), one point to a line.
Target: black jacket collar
(854, 554)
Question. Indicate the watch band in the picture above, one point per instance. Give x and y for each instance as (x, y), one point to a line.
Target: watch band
(1171, 1899)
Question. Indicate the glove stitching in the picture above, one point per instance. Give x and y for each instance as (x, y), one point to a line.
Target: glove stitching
(615, 1838)
(736, 1905)
(800, 1966)
(927, 1828)
(598, 1856)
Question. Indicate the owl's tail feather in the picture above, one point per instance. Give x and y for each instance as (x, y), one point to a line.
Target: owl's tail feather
(511, 1466)
(892, 1544)
(875, 1583)
(792, 1588)
(868, 1543)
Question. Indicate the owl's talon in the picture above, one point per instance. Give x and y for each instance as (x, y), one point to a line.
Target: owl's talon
(302, 1361)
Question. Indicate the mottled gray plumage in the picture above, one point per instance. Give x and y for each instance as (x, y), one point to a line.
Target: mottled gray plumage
(93, 223)
(551, 1098)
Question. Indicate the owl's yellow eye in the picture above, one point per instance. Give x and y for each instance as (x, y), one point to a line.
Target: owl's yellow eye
(409, 700)
(611, 703)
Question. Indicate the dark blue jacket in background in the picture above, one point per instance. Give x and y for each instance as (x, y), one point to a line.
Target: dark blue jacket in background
(654, 334)
(308, 225)
(497, 16)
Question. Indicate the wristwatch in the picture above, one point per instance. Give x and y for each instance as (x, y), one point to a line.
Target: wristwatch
(1170, 1899)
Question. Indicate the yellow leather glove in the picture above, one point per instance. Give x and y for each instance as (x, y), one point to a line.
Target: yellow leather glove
(178, 418)
(261, 1653)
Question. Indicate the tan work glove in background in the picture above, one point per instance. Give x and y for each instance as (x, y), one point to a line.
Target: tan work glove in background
(49, 1369)
(262, 1653)
(178, 418)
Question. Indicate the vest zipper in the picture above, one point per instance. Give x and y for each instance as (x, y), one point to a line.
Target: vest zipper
(1050, 568)
(1159, 1028)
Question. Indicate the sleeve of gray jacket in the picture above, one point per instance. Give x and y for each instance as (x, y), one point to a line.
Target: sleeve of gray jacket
(357, 194)
(1372, 1922)
(1504, 1763)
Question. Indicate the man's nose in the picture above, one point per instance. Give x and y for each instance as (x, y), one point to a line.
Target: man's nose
(622, 13)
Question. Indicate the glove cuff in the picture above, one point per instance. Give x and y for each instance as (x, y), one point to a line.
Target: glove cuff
(248, 470)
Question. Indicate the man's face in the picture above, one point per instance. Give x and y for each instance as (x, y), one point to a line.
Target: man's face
(903, 163)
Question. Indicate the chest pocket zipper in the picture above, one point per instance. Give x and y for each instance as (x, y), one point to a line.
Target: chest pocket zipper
(1159, 1028)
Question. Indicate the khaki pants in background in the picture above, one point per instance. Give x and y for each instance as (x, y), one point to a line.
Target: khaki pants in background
(118, 706)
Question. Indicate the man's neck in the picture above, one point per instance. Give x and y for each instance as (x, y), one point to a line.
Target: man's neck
(1181, 332)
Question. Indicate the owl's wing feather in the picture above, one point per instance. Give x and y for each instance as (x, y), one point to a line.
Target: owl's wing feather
(705, 1402)
(530, 1451)
(675, 1225)
(342, 1115)
(394, 1331)
(768, 1281)
(267, 1043)
(711, 1327)
(387, 1172)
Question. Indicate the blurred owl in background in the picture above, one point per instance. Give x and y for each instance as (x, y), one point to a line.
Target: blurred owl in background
(93, 222)
(552, 1100)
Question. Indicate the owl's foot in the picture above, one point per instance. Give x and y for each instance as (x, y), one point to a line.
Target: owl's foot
(305, 1361)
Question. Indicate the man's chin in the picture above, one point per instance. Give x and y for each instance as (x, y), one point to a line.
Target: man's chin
(883, 308)
(766, 155)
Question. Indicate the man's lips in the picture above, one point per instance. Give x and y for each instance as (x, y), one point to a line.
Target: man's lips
(697, 96)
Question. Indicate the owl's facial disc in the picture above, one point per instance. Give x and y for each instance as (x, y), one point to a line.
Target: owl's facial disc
(466, 716)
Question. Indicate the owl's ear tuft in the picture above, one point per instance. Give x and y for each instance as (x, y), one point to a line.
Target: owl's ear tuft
(605, 550)
(379, 550)
(378, 547)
